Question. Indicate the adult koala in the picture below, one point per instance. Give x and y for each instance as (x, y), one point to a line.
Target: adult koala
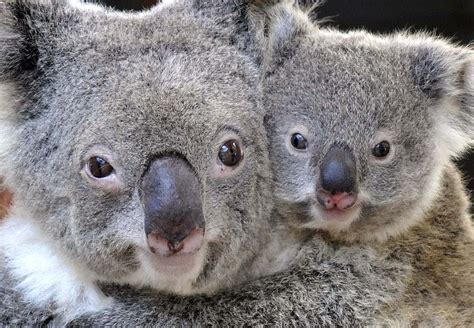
(135, 148)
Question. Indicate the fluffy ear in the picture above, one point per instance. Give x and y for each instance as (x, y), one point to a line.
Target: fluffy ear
(446, 74)
(284, 23)
(23, 26)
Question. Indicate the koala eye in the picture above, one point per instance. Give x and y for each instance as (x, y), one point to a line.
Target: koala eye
(381, 149)
(299, 141)
(230, 153)
(99, 167)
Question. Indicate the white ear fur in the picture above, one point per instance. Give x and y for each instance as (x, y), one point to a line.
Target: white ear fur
(286, 21)
(455, 119)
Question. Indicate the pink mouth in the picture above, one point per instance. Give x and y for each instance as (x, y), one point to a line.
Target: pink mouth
(339, 201)
(340, 207)
(176, 259)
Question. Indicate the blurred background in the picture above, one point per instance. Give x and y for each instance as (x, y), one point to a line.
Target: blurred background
(451, 18)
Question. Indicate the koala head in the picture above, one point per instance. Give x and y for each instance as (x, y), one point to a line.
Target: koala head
(134, 142)
(361, 126)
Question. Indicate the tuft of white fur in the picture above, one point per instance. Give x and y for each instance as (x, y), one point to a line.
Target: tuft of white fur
(279, 254)
(452, 139)
(45, 276)
(148, 275)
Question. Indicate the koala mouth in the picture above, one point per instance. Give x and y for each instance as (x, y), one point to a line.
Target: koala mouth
(175, 248)
(338, 202)
(175, 257)
(332, 218)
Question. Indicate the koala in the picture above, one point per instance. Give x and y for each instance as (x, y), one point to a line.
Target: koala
(365, 128)
(129, 162)
(340, 191)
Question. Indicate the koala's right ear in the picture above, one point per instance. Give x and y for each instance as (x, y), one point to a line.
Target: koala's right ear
(284, 23)
(445, 73)
(24, 28)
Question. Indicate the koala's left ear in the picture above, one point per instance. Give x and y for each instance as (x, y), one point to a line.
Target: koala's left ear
(27, 30)
(25, 27)
(446, 74)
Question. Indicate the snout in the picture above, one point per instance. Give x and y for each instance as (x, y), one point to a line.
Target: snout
(174, 220)
(338, 179)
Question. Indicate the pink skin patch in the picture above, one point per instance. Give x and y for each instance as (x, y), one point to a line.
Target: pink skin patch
(340, 201)
(335, 212)
(6, 199)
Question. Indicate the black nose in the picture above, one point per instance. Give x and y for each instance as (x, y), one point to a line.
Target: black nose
(338, 170)
(172, 201)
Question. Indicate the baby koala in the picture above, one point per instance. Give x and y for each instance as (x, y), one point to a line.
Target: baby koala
(362, 132)
(129, 162)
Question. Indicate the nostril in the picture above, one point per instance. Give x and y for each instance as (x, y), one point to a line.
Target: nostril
(324, 199)
(175, 247)
(158, 245)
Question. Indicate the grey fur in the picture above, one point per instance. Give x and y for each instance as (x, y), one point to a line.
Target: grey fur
(320, 290)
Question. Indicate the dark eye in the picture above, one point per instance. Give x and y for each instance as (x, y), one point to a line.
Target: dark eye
(382, 149)
(230, 153)
(99, 167)
(298, 141)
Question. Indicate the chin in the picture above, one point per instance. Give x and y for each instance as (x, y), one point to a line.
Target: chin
(175, 274)
(334, 220)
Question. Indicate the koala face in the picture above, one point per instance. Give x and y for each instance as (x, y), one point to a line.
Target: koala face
(361, 126)
(136, 142)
